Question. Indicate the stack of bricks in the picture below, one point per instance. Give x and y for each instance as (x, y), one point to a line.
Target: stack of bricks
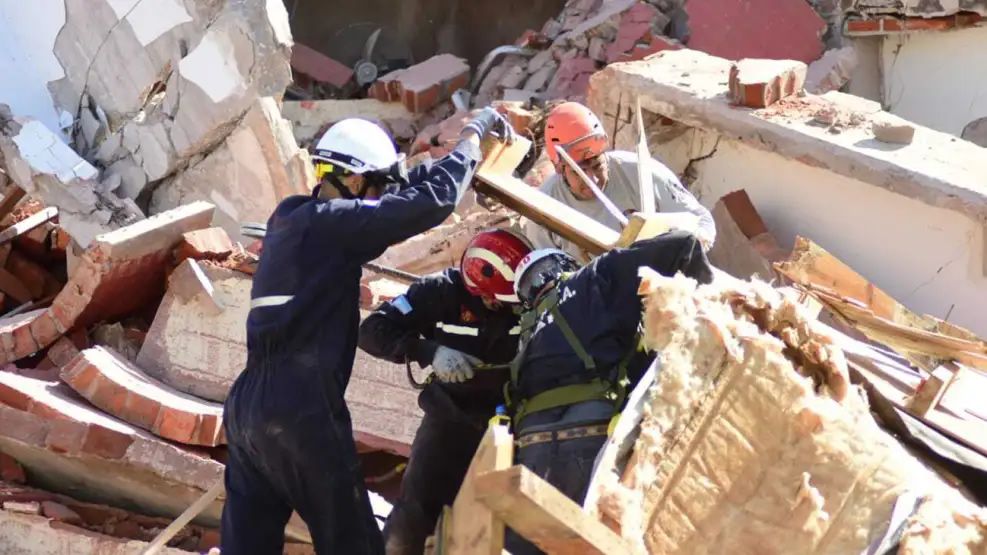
(761, 83)
(423, 86)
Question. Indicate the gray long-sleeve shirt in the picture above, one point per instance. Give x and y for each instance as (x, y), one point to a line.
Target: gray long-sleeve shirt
(623, 189)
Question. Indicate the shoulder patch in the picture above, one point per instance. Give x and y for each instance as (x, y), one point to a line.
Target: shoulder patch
(402, 304)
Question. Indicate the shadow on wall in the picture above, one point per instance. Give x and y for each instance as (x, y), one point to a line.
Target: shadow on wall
(415, 29)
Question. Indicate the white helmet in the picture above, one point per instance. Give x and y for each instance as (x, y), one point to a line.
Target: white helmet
(357, 145)
(539, 268)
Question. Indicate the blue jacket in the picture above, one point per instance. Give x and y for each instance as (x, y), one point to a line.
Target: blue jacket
(601, 305)
(306, 291)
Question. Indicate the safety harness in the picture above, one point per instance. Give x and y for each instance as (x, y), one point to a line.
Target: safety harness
(596, 389)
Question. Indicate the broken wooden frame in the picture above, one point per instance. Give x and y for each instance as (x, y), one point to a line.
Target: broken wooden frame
(931, 344)
(495, 494)
(495, 179)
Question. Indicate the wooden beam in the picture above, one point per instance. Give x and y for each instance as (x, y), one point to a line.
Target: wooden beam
(471, 527)
(544, 516)
(928, 395)
(811, 264)
(495, 180)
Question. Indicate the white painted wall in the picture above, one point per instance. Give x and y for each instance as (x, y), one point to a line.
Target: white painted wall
(928, 258)
(937, 79)
(27, 61)
(866, 78)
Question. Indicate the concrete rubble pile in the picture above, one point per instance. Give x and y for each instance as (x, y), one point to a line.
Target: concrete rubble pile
(753, 441)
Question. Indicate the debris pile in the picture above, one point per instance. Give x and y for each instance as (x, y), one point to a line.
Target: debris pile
(753, 440)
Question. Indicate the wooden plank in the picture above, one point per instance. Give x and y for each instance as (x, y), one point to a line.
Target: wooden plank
(544, 516)
(27, 224)
(495, 180)
(928, 395)
(10, 200)
(13, 287)
(811, 264)
(471, 527)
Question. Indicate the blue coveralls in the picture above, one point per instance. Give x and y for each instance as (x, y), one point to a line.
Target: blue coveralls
(438, 310)
(289, 431)
(601, 305)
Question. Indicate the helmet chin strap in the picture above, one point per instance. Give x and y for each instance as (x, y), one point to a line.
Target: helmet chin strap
(344, 191)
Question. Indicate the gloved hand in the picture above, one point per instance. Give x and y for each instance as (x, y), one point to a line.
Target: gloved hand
(489, 120)
(452, 366)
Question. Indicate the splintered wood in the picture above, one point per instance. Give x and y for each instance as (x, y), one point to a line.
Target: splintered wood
(753, 440)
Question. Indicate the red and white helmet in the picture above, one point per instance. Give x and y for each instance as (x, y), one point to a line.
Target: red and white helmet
(489, 262)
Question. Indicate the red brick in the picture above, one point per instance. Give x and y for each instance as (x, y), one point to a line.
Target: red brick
(863, 26)
(24, 343)
(66, 436)
(61, 513)
(742, 210)
(11, 470)
(423, 86)
(422, 100)
(38, 280)
(318, 66)
(761, 83)
(572, 77)
(44, 330)
(62, 352)
(113, 384)
(208, 540)
(14, 398)
(106, 443)
(204, 244)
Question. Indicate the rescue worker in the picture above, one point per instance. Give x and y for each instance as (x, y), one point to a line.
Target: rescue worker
(579, 353)
(576, 129)
(452, 321)
(287, 425)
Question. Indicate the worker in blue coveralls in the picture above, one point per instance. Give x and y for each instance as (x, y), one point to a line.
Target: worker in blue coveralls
(288, 429)
(579, 354)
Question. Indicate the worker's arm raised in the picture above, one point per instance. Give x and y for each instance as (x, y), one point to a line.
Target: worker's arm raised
(667, 254)
(400, 329)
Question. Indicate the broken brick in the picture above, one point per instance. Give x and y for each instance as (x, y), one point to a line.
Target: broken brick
(119, 273)
(572, 78)
(318, 66)
(11, 470)
(25, 507)
(635, 23)
(761, 83)
(204, 244)
(422, 86)
(113, 384)
(59, 512)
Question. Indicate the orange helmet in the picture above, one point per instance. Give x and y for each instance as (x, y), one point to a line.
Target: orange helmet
(489, 262)
(575, 128)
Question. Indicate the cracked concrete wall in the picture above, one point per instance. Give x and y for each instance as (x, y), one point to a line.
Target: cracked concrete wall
(936, 79)
(159, 87)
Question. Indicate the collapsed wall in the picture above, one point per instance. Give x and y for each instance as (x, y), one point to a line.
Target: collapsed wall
(753, 442)
(168, 102)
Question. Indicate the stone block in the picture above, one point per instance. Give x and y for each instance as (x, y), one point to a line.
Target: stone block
(190, 284)
(22, 507)
(893, 130)
(59, 512)
(116, 386)
(195, 349)
(761, 83)
(254, 167)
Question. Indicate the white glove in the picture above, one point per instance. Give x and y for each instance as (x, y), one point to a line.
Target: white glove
(452, 366)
